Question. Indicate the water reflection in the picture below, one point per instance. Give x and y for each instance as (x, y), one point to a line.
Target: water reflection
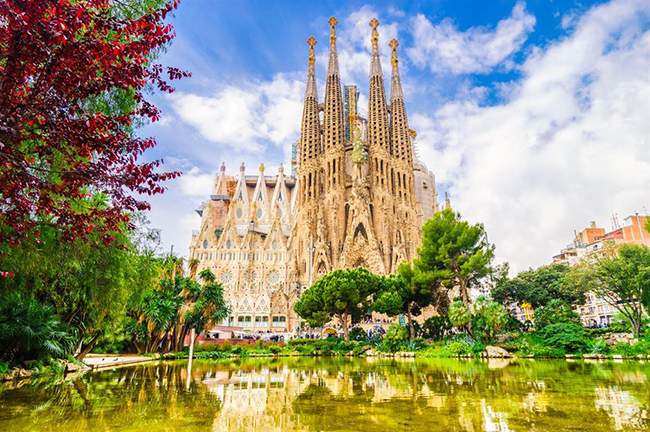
(307, 394)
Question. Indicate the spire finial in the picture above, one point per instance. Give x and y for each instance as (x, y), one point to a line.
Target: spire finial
(242, 168)
(394, 44)
(375, 35)
(223, 166)
(311, 42)
(375, 64)
(262, 167)
(333, 22)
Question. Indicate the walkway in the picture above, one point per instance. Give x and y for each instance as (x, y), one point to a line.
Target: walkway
(105, 361)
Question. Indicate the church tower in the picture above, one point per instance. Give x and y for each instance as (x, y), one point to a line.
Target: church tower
(355, 198)
(310, 181)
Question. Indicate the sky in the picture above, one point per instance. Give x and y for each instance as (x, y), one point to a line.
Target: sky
(534, 116)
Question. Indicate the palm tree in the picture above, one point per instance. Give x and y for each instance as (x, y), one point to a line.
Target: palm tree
(193, 265)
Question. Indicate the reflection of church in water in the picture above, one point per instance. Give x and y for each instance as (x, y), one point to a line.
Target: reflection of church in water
(357, 197)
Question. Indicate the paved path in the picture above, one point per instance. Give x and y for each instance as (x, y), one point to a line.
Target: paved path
(104, 361)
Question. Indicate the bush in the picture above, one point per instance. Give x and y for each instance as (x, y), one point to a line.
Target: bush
(547, 351)
(629, 350)
(566, 336)
(459, 348)
(597, 346)
(555, 312)
(395, 337)
(358, 334)
(436, 327)
(31, 330)
(489, 318)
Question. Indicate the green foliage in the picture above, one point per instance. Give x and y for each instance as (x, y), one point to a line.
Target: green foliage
(343, 293)
(88, 283)
(489, 318)
(436, 327)
(622, 279)
(408, 293)
(459, 314)
(555, 311)
(395, 337)
(358, 334)
(31, 330)
(632, 350)
(538, 287)
(597, 346)
(454, 253)
(570, 337)
(459, 348)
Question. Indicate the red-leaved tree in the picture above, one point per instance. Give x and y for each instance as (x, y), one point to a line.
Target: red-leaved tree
(72, 76)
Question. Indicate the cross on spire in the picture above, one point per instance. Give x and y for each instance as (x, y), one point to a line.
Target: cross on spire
(311, 42)
(375, 35)
(333, 22)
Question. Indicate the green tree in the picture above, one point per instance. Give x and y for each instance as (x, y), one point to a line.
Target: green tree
(88, 283)
(537, 287)
(621, 279)
(460, 315)
(489, 318)
(454, 253)
(408, 292)
(555, 311)
(344, 294)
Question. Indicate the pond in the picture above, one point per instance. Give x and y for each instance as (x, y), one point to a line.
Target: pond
(339, 394)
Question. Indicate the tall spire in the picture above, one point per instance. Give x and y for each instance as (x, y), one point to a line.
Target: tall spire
(395, 83)
(333, 64)
(399, 129)
(375, 64)
(310, 142)
(378, 137)
(311, 72)
(333, 125)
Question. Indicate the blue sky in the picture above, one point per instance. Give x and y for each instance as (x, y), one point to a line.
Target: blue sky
(533, 115)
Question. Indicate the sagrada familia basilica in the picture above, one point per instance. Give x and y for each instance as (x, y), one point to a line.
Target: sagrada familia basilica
(357, 196)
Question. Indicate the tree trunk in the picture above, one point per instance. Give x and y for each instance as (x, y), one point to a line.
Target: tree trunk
(411, 326)
(344, 323)
(85, 350)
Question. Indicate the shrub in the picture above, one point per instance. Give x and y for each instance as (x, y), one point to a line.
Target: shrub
(344, 347)
(395, 337)
(566, 336)
(459, 348)
(597, 346)
(31, 330)
(629, 350)
(358, 334)
(555, 312)
(436, 327)
(4, 368)
(547, 351)
(489, 318)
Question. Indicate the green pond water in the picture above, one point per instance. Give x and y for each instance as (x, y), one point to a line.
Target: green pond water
(338, 394)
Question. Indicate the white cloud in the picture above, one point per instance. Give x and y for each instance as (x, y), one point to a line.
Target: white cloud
(568, 146)
(443, 48)
(196, 183)
(246, 118)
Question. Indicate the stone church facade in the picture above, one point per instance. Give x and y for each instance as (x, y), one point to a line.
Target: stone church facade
(358, 198)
